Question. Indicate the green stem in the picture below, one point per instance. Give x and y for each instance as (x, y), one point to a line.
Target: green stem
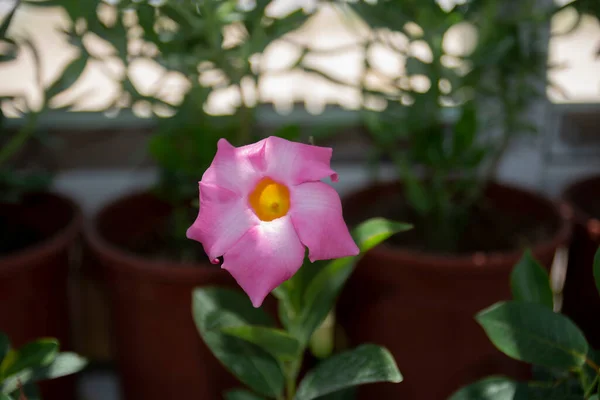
(290, 382)
(590, 390)
(19, 140)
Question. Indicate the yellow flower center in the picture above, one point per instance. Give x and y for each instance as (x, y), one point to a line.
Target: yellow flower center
(270, 200)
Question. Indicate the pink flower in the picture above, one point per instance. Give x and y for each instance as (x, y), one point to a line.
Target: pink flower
(261, 204)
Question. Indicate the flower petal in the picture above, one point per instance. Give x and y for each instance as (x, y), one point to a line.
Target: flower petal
(316, 212)
(237, 169)
(224, 217)
(294, 163)
(267, 255)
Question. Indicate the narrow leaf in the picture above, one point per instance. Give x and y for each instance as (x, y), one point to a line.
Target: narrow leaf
(6, 23)
(278, 343)
(530, 282)
(365, 364)
(32, 355)
(68, 77)
(532, 333)
(214, 309)
(64, 364)
(240, 394)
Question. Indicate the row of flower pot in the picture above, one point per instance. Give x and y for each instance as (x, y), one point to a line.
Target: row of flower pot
(419, 305)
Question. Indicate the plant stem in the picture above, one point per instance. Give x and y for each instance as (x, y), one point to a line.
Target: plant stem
(291, 375)
(593, 365)
(245, 119)
(18, 141)
(590, 390)
(290, 386)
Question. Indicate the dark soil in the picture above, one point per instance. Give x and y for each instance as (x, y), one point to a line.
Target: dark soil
(15, 237)
(488, 228)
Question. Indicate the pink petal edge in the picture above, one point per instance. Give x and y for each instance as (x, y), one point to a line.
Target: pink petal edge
(316, 213)
(293, 163)
(266, 256)
(223, 219)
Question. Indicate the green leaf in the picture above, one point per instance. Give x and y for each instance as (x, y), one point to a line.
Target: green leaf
(501, 388)
(69, 76)
(322, 291)
(4, 346)
(5, 397)
(492, 388)
(532, 333)
(597, 269)
(365, 364)
(32, 355)
(6, 23)
(240, 394)
(64, 364)
(276, 342)
(530, 282)
(215, 309)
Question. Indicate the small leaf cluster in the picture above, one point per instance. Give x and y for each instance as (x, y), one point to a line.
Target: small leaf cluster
(39, 360)
(16, 176)
(529, 330)
(267, 358)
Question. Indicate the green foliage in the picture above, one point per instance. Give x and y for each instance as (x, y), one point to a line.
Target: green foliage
(444, 161)
(530, 282)
(366, 364)
(565, 367)
(268, 359)
(36, 361)
(318, 292)
(15, 178)
(239, 394)
(521, 331)
(214, 309)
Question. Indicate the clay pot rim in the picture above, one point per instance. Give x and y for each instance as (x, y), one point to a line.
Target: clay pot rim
(25, 258)
(480, 262)
(118, 258)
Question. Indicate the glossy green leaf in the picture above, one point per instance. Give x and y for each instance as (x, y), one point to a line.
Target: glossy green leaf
(4, 346)
(493, 388)
(324, 288)
(501, 388)
(365, 364)
(530, 282)
(215, 309)
(532, 333)
(278, 343)
(240, 394)
(597, 269)
(64, 364)
(32, 355)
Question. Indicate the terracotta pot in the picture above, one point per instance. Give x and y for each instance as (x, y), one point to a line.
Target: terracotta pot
(421, 306)
(34, 281)
(581, 299)
(160, 354)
